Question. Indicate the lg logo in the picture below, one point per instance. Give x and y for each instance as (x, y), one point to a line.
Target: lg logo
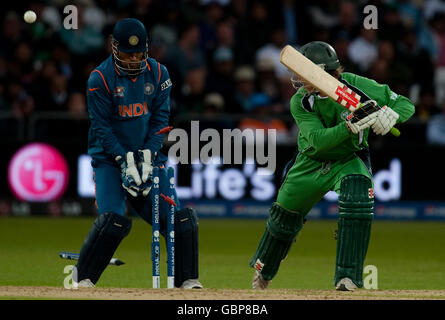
(38, 172)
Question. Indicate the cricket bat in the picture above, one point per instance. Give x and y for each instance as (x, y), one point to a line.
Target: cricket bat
(323, 81)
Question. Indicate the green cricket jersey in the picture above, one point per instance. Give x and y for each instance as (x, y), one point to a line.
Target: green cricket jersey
(323, 134)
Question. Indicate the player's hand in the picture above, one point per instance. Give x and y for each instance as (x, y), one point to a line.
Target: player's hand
(366, 109)
(129, 173)
(385, 120)
(144, 188)
(366, 122)
(146, 164)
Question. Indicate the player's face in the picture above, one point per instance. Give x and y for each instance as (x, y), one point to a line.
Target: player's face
(131, 60)
(308, 87)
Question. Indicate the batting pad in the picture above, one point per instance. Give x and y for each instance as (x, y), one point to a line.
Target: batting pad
(355, 208)
(281, 230)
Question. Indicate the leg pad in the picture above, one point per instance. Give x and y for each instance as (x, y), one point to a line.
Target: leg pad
(355, 208)
(186, 245)
(104, 237)
(281, 230)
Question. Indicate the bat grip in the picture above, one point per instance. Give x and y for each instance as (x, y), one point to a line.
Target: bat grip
(395, 132)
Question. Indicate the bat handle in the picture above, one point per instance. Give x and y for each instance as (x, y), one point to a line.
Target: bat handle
(395, 132)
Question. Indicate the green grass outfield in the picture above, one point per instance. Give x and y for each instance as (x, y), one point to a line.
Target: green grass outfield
(408, 255)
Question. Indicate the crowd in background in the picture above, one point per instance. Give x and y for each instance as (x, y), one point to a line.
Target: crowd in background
(223, 56)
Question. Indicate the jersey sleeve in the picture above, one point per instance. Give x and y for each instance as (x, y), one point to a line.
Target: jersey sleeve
(313, 130)
(383, 95)
(99, 108)
(160, 112)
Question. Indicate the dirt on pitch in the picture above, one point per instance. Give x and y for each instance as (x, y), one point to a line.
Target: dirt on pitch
(29, 292)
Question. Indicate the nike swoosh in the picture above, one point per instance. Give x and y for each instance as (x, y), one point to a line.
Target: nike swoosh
(92, 89)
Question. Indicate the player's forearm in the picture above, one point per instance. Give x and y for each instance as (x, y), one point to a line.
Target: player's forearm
(109, 141)
(328, 138)
(404, 107)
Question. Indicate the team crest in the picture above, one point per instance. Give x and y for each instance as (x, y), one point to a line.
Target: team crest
(148, 88)
(119, 92)
(133, 40)
(344, 115)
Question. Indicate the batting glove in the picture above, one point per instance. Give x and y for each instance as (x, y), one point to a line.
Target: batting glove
(129, 173)
(356, 126)
(386, 119)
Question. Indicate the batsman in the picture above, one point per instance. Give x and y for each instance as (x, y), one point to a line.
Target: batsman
(128, 97)
(333, 154)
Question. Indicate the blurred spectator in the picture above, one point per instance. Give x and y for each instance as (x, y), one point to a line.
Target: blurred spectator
(324, 15)
(348, 24)
(363, 50)
(86, 39)
(435, 132)
(432, 7)
(245, 91)
(438, 36)
(399, 76)
(268, 82)
(341, 45)
(290, 21)
(225, 34)
(379, 71)
(220, 77)
(409, 53)
(161, 37)
(391, 26)
(265, 117)
(77, 105)
(272, 50)
(62, 57)
(214, 14)
(426, 106)
(22, 65)
(410, 14)
(259, 24)
(214, 106)
(59, 94)
(185, 54)
(11, 34)
(22, 104)
(148, 11)
(192, 93)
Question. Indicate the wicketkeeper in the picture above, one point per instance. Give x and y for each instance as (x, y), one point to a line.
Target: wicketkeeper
(128, 99)
(333, 154)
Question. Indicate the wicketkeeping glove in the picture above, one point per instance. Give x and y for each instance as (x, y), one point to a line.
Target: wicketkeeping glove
(385, 120)
(146, 167)
(129, 174)
(363, 117)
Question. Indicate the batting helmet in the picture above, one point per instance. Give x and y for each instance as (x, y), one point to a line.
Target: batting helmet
(322, 54)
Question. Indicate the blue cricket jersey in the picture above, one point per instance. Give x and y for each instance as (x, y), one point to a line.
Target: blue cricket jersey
(127, 113)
